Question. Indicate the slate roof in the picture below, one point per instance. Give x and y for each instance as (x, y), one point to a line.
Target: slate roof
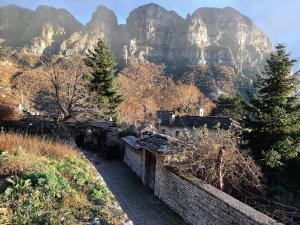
(200, 121)
(157, 143)
(132, 141)
(103, 124)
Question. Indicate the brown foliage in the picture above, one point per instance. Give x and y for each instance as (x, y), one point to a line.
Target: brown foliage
(146, 88)
(188, 99)
(216, 159)
(7, 112)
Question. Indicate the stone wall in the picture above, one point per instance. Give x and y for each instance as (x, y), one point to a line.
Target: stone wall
(171, 131)
(199, 203)
(134, 159)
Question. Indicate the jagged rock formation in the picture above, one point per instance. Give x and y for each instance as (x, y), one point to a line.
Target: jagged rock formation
(46, 27)
(47, 40)
(103, 24)
(209, 38)
(234, 40)
(155, 35)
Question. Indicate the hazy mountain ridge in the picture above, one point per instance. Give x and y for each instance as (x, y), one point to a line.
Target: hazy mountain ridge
(207, 38)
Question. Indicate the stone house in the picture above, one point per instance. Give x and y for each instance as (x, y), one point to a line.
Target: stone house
(100, 136)
(146, 155)
(169, 123)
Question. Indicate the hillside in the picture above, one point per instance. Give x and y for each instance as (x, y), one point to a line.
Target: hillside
(43, 182)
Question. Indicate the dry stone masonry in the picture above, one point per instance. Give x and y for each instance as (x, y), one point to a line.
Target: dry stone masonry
(199, 203)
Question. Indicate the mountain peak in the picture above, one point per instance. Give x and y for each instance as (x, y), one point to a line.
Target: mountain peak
(44, 7)
(104, 14)
(152, 7)
(213, 11)
(154, 11)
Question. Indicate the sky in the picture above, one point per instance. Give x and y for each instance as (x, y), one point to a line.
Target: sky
(279, 19)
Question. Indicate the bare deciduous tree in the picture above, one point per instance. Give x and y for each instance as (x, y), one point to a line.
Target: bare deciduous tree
(216, 159)
(67, 95)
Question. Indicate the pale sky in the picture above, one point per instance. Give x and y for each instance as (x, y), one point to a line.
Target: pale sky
(279, 19)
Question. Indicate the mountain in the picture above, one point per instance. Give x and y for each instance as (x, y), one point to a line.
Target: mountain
(104, 24)
(211, 38)
(13, 22)
(46, 27)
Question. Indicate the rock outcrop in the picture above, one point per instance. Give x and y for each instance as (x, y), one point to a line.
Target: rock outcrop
(103, 25)
(210, 36)
(234, 40)
(36, 30)
(155, 34)
(13, 21)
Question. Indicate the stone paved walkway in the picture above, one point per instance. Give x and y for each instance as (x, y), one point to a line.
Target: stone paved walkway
(137, 200)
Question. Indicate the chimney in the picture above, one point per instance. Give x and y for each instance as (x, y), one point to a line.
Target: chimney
(172, 117)
(201, 112)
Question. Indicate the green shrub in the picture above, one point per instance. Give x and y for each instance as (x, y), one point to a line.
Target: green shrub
(97, 194)
(77, 169)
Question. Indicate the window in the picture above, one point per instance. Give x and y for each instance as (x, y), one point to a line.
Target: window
(177, 133)
(163, 131)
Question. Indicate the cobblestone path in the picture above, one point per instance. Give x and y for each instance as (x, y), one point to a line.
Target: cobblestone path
(137, 200)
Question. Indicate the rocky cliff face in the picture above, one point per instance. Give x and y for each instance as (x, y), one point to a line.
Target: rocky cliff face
(13, 22)
(155, 35)
(103, 25)
(233, 39)
(208, 38)
(46, 27)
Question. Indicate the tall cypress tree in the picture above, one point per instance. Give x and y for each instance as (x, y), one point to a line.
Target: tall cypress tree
(274, 111)
(102, 65)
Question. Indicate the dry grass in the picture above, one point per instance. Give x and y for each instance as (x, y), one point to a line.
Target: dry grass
(15, 89)
(8, 69)
(35, 145)
(28, 150)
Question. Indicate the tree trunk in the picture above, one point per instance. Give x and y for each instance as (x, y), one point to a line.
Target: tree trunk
(219, 168)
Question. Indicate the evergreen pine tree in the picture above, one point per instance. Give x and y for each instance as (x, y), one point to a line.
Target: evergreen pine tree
(102, 65)
(274, 111)
(230, 106)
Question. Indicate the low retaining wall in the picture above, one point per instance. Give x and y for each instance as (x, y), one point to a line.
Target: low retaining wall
(199, 203)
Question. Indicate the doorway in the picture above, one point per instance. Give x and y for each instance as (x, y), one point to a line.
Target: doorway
(150, 165)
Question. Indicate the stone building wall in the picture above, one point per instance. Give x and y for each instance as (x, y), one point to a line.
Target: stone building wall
(134, 160)
(171, 131)
(199, 203)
